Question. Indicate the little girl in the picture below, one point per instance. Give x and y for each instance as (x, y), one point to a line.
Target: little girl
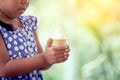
(21, 55)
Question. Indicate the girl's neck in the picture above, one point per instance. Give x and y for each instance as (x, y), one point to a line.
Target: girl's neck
(5, 18)
(8, 20)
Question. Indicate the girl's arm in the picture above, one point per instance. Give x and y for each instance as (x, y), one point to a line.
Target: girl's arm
(40, 50)
(15, 67)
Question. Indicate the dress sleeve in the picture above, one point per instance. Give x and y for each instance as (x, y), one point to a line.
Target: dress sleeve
(33, 22)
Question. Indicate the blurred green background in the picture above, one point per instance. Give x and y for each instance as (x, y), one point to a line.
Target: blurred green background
(92, 28)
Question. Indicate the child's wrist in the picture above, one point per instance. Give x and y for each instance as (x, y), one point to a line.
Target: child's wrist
(45, 59)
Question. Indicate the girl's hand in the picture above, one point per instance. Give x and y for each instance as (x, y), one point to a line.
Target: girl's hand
(56, 54)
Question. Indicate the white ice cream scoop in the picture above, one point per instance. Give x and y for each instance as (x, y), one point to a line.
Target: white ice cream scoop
(58, 34)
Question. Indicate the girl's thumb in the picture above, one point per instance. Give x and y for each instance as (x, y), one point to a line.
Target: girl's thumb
(49, 43)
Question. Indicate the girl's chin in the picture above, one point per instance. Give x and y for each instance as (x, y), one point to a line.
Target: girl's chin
(16, 16)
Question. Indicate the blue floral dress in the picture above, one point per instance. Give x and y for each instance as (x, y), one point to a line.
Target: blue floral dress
(20, 43)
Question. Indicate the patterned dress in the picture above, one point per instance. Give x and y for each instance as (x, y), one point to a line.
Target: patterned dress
(20, 43)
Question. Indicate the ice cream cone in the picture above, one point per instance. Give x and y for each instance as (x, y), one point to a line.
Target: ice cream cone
(58, 38)
(59, 42)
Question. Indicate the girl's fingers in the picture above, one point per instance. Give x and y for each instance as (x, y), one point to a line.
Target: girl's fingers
(61, 60)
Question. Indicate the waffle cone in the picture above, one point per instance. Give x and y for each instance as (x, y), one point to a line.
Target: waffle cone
(59, 42)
